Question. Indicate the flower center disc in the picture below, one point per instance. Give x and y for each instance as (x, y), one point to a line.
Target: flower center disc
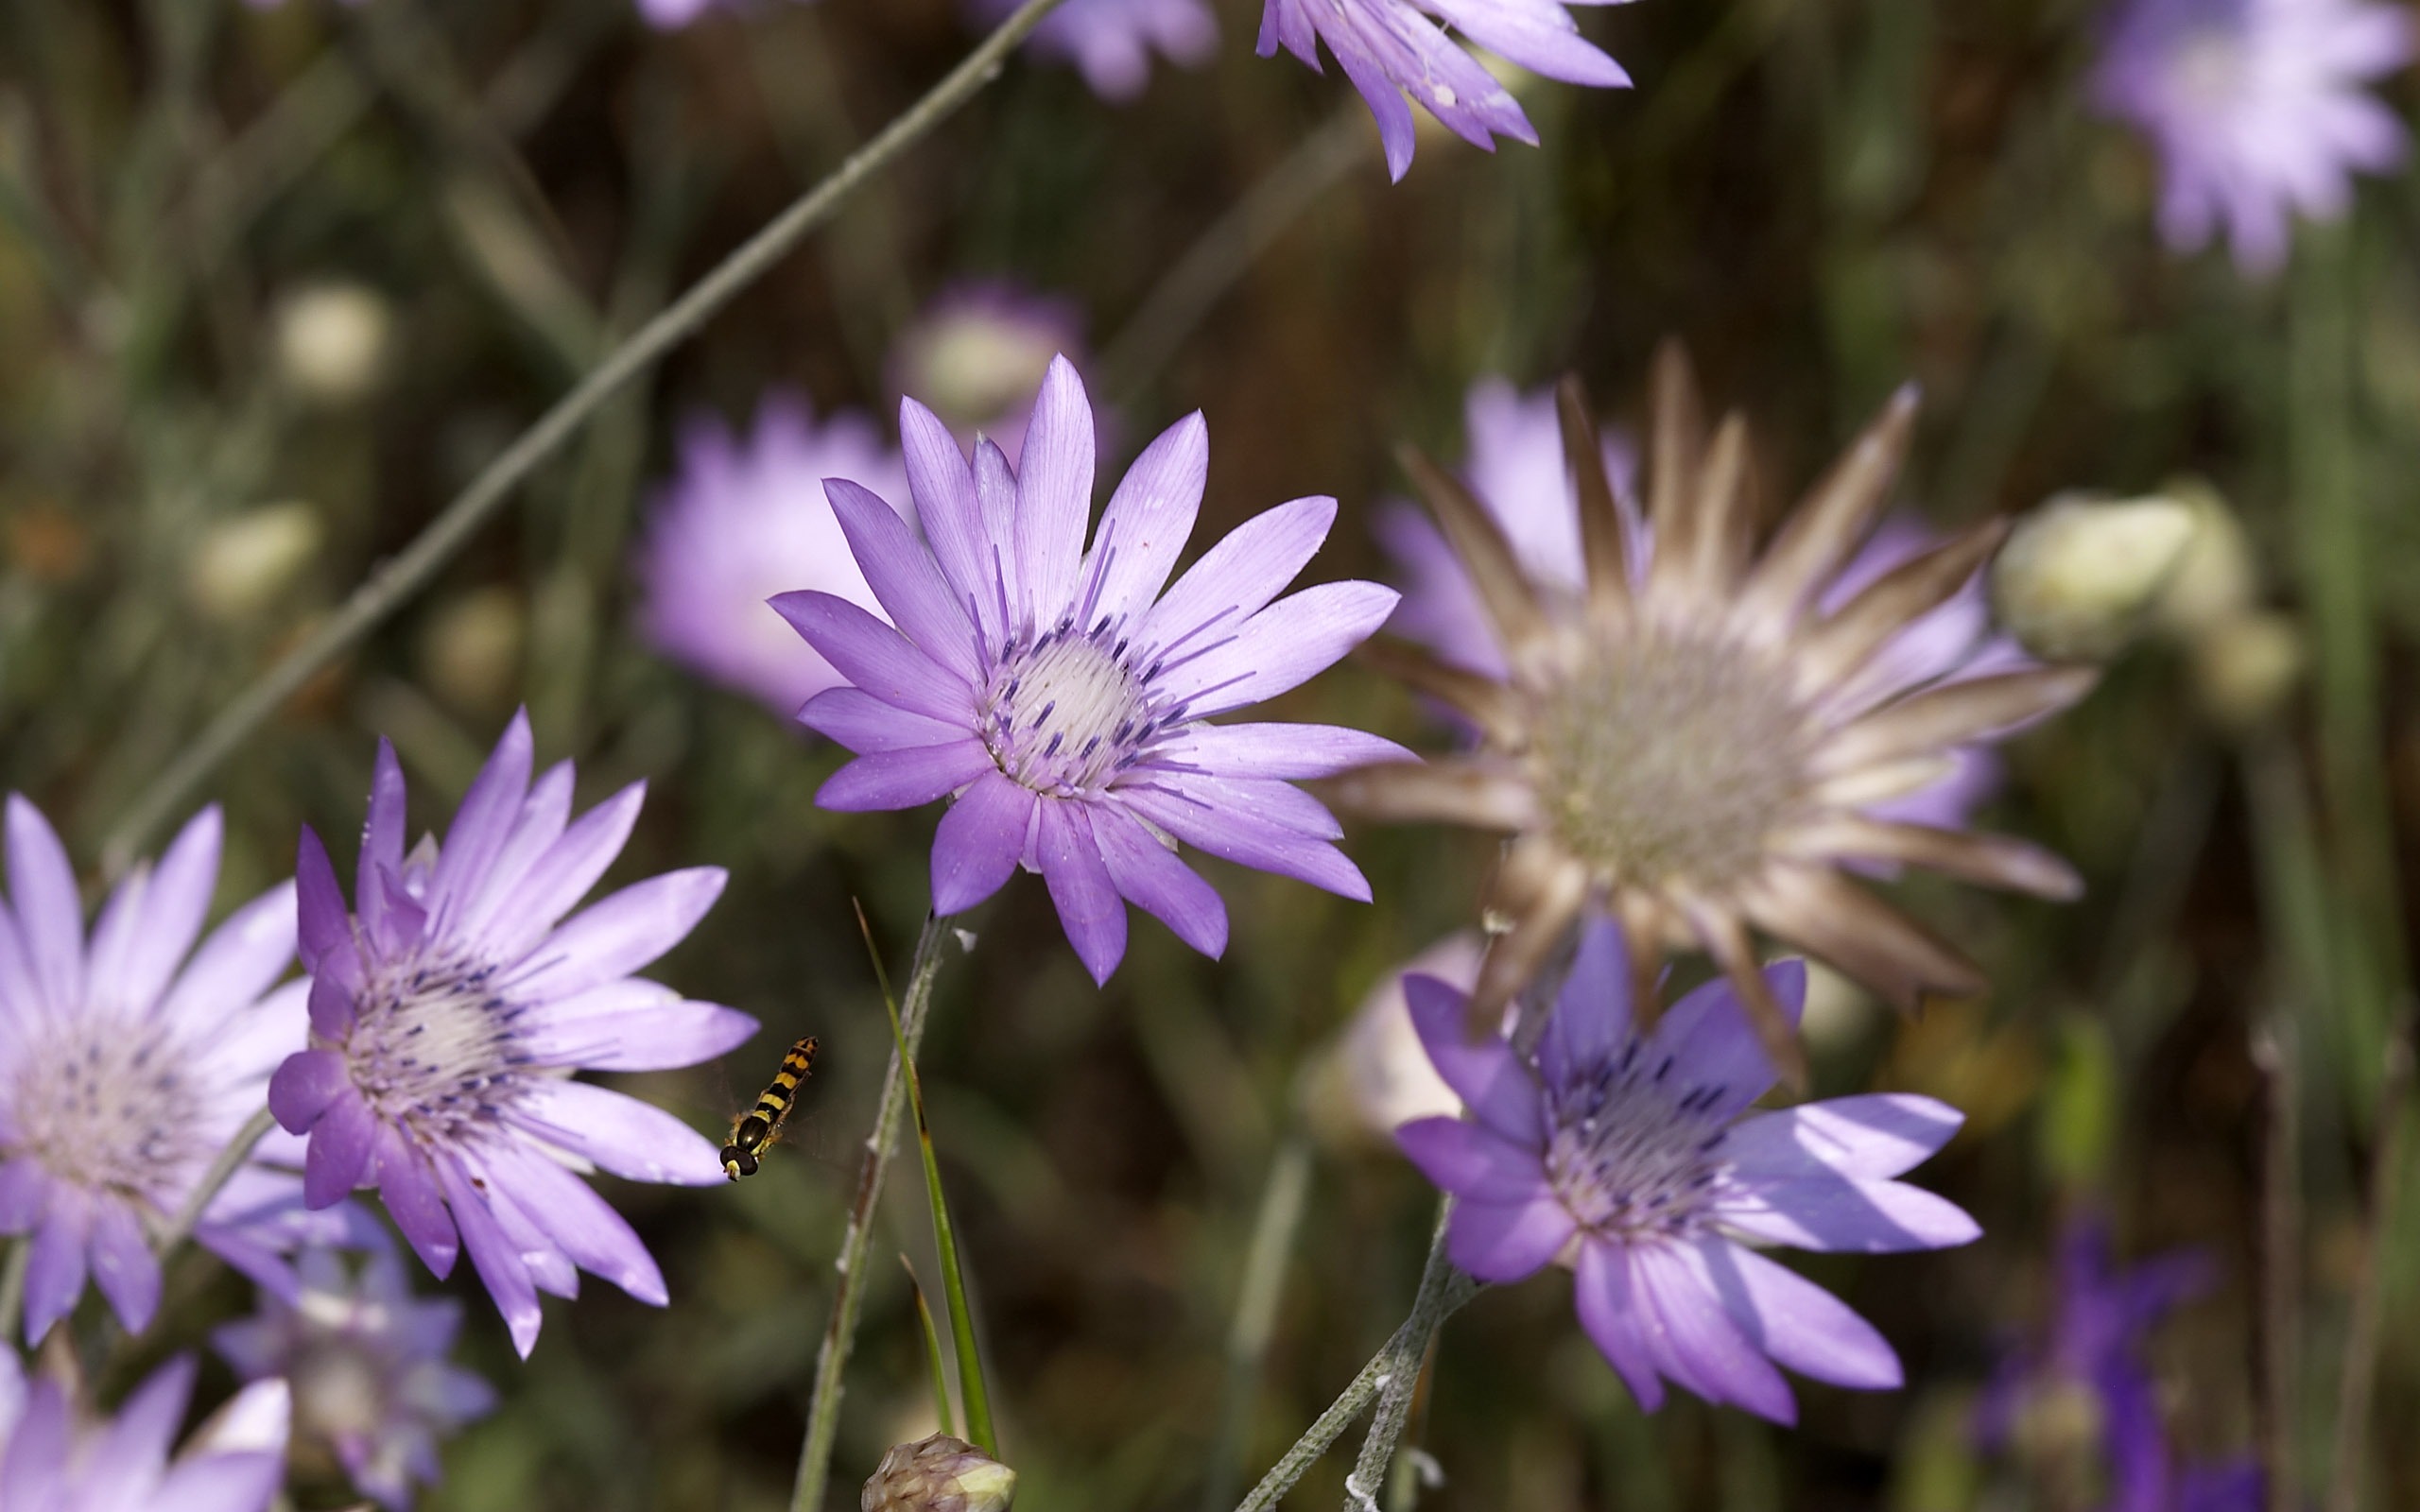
(432, 1047)
(109, 1107)
(1062, 717)
(1635, 1152)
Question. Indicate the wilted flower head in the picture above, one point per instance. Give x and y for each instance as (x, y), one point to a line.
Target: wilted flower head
(1391, 48)
(449, 1007)
(2088, 1392)
(977, 354)
(1698, 741)
(1063, 699)
(55, 1457)
(1111, 41)
(128, 1061)
(2256, 109)
(1623, 1154)
(938, 1475)
(367, 1361)
(744, 520)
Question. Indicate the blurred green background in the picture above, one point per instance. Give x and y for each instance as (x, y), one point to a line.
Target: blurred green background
(1822, 196)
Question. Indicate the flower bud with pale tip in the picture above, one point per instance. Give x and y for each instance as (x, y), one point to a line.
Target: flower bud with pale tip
(938, 1475)
(2079, 574)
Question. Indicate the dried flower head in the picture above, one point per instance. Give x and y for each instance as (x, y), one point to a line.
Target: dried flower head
(1696, 741)
(938, 1475)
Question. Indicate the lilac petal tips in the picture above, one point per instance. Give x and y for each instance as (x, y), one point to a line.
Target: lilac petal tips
(1391, 48)
(1626, 1158)
(2256, 110)
(1061, 697)
(55, 1457)
(129, 1060)
(1111, 41)
(449, 1006)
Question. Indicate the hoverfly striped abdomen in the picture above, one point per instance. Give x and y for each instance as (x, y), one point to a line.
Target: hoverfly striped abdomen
(754, 1132)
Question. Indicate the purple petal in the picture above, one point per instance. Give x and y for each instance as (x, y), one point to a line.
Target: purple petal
(1591, 1017)
(412, 1195)
(623, 931)
(1709, 1039)
(1280, 751)
(50, 915)
(906, 579)
(1054, 492)
(1837, 1213)
(1716, 1358)
(649, 1027)
(341, 1141)
(165, 918)
(944, 495)
(500, 1268)
(979, 841)
(501, 896)
(24, 1189)
(223, 1483)
(1542, 39)
(625, 1135)
(1089, 907)
(303, 1088)
(382, 830)
(1002, 589)
(1488, 1077)
(135, 1445)
(863, 723)
(905, 779)
(1148, 875)
(55, 1271)
(1147, 524)
(331, 1009)
(561, 877)
(1507, 1241)
(1879, 1135)
(1248, 839)
(876, 657)
(250, 948)
(1281, 804)
(1282, 648)
(1236, 577)
(483, 821)
(1613, 1316)
(325, 925)
(589, 1231)
(123, 1265)
(1797, 1322)
(1473, 1162)
(1396, 131)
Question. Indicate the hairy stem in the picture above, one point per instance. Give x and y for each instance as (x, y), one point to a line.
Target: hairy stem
(392, 584)
(848, 1294)
(1395, 1395)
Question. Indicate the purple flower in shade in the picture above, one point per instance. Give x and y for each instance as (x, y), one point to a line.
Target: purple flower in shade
(1391, 48)
(1111, 41)
(367, 1360)
(1626, 1158)
(743, 521)
(128, 1061)
(977, 354)
(2090, 1374)
(1516, 470)
(450, 1006)
(1061, 697)
(55, 1457)
(2256, 109)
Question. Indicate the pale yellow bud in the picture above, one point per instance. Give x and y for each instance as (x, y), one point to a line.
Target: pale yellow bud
(470, 651)
(2244, 667)
(243, 563)
(2217, 580)
(2079, 574)
(938, 1475)
(1838, 1012)
(332, 340)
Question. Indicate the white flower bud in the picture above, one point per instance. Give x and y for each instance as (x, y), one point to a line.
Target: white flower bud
(332, 340)
(2245, 666)
(470, 651)
(2077, 574)
(243, 563)
(2216, 580)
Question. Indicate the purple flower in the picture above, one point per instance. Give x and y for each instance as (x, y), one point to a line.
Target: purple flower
(55, 1457)
(1390, 48)
(367, 1360)
(2096, 1350)
(449, 1007)
(1061, 697)
(127, 1062)
(1627, 1158)
(746, 520)
(1111, 41)
(2255, 109)
(978, 351)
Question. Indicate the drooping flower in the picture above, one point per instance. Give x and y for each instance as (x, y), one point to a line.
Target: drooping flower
(1516, 470)
(449, 1007)
(2256, 109)
(367, 1362)
(977, 353)
(2089, 1393)
(55, 1457)
(1063, 699)
(1629, 1156)
(1111, 41)
(130, 1060)
(1391, 48)
(1698, 743)
(744, 520)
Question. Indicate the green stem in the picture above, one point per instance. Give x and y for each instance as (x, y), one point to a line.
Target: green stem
(1395, 1394)
(392, 584)
(12, 1287)
(848, 1295)
(222, 1170)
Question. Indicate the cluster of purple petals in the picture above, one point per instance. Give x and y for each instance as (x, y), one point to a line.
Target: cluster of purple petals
(1391, 48)
(449, 1005)
(2257, 109)
(55, 1459)
(1060, 698)
(1111, 41)
(1633, 1160)
(2097, 1345)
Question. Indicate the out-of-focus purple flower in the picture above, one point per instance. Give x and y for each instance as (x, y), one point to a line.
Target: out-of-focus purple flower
(1111, 41)
(744, 520)
(1391, 48)
(449, 1007)
(367, 1361)
(2094, 1355)
(977, 354)
(56, 1457)
(1062, 698)
(2256, 109)
(128, 1061)
(1626, 1158)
